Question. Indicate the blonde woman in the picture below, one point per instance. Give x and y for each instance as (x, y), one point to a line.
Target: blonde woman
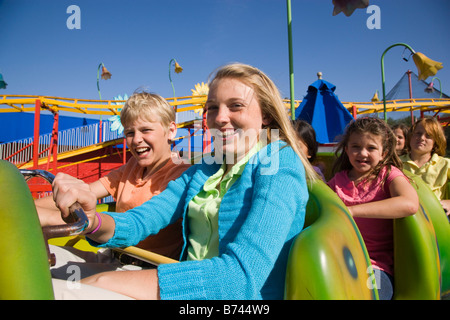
(241, 210)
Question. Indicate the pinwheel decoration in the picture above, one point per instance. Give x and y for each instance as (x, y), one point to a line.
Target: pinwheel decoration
(116, 124)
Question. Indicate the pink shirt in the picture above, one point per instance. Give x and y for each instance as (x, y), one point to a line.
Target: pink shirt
(129, 190)
(377, 233)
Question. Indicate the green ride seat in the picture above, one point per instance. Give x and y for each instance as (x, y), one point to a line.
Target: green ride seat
(328, 260)
(24, 269)
(422, 249)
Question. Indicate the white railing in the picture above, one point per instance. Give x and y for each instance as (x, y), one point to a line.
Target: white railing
(21, 151)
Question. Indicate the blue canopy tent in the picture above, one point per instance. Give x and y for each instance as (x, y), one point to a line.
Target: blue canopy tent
(322, 109)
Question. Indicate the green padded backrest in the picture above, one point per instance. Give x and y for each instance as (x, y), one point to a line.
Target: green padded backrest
(24, 267)
(328, 259)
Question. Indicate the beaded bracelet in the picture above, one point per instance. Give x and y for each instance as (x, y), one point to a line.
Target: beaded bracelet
(98, 225)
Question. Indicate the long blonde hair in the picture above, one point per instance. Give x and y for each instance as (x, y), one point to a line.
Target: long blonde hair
(271, 104)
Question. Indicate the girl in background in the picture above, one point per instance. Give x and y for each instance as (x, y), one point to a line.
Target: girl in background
(308, 142)
(370, 182)
(426, 142)
(401, 132)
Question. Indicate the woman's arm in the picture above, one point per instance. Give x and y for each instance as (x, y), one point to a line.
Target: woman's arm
(404, 202)
(260, 240)
(141, 284)
(267, 215)
(119, 229)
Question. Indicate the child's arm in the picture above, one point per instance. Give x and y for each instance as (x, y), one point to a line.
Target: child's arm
(445, 202)
(403, 202)
(49, 214)
(446, 205)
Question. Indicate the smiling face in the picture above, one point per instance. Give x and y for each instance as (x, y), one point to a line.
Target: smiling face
(234, 117)
(364, 151)
(149, 142)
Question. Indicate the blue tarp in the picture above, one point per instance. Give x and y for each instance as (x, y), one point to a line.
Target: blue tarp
(323, 110)
(19, 125)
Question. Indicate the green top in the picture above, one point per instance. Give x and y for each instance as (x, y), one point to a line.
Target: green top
(204, 209)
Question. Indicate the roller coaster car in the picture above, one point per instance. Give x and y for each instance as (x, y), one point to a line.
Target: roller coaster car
(328, 259)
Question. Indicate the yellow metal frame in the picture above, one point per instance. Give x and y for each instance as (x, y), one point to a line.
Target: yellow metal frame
(26, 103)
(424, 105)
(80, 243)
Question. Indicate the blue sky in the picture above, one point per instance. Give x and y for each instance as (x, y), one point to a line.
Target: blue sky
(136, 39)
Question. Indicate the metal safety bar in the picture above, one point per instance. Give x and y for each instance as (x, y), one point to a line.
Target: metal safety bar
(77, 220)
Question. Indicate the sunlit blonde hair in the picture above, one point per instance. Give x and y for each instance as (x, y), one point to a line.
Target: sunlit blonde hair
(149, 106)
(434, 129)
(271, 104)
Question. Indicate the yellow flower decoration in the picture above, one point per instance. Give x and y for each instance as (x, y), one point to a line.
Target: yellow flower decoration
(426, 66)
(178, 68)
(105, 73)
(375, 97)
(200, 90)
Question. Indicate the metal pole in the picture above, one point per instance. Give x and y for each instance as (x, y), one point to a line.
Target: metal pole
(54, 149)
(98, 80)
(37, 117)
(440, 85)
(382, 72)
(291, 58)
(410, 96)
(170, 76)
(100, 124)
(175, 107)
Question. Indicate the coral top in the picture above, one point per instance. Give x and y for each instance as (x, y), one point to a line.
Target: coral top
(130, 190)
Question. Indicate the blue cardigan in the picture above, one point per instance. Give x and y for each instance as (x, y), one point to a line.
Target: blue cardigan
(258, 218)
